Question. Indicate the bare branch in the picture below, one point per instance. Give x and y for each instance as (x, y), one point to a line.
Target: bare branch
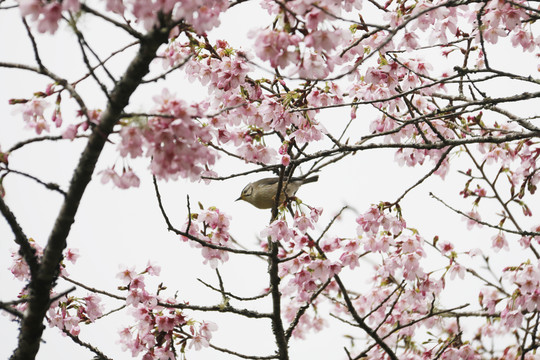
(231, 295)
(99, 355)
(186, 234)
(437, 166)
(26, 250)
(48, 185)
(125, 27)
(242, 356)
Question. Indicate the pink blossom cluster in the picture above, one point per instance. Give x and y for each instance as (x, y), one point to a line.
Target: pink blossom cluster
(175, 142)
(47, 14)
(440, 23)
(201, 334)
(371, 222)
(125, 180)
(519, 161)
(386, 82)
(400, 309)
(34, 113)
(525, 172)
(135, 285)
(225, 71)
(308, 322)
(400, 313)
(278, 47)
(68, 312)
(503, 19)
(402, 261)
(305, 272)
(33, 110)
(301, 278)
(499, 19)
(312, 50)
(158, 327)
(279, 230)
(270, 115)
(210, 226)
(308, 273)
(93, 118)
(391, 77)
(19, 268)
(402, 256)
(222, 70)
(203, 15)
(512, 308)
(326, 9)
(526, 298)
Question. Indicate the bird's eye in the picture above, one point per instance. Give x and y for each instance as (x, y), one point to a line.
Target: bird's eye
(247, 191)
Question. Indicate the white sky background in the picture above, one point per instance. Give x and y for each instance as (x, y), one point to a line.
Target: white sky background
(125, 227)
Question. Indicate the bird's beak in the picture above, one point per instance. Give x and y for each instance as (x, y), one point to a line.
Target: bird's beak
(240, 198)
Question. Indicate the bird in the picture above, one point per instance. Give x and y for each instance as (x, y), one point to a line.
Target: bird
(262, 193)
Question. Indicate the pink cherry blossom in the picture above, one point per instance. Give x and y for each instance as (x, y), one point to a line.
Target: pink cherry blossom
(94, 309)
(116, 6)
(71, 255)
(302, 222)
(127, 275)
(349, 259)
(330, 244)
(19, 268)
(276, 47)
(30, 8)
(324, 269)
(489, 299)
(123, 181)
(278, 231)
(499, 242)
(511, 318)
(446, 246)
(471, 220)
(50, 15)
(70, 132)
(132, 142)
(370, 221)
(457, 270)
(198, 342)
(152, 269)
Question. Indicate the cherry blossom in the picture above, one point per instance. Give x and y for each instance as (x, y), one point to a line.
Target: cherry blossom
(277, 47)
(278, 231)
(499, 242)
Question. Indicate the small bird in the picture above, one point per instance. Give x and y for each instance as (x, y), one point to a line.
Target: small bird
(262, 193)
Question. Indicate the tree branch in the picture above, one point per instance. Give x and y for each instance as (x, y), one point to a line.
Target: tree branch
(40, 286)
(26, 250)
